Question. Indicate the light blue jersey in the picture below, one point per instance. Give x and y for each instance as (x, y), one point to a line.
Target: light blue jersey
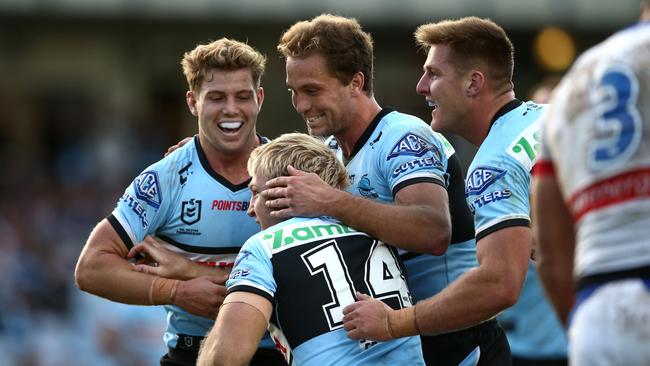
(195, 211)
(310, 268)
(497, 191)
(398, 150)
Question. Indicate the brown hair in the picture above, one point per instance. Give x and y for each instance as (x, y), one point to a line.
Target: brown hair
(223, 54)
(473, 42)
(346, 47)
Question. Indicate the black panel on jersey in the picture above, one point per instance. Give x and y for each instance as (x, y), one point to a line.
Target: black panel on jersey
(462, 221)
(300, 296)
(502, 225)
(219, 178)
(198, 249)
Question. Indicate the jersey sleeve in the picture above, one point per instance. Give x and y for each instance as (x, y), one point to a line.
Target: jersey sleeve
(503, 202)
(253, 271)
(414, 155)
(145, 204)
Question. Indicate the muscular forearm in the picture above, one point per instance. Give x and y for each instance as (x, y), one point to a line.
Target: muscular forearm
(468, 301)
(113, 278)
(414, 228)
(103, 270)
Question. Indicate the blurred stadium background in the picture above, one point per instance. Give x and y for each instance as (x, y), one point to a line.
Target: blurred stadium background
(91, 92)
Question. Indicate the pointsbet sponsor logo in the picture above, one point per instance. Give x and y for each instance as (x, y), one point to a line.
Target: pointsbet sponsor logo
(224, 205)
(300, 234)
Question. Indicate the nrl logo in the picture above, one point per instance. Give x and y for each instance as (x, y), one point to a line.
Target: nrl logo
(147, 188)
(191, 211)
(411, 145)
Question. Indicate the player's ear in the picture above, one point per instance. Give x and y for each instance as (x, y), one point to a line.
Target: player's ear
(191, 102)
(260, 98)
(474, 83)
(357, 83)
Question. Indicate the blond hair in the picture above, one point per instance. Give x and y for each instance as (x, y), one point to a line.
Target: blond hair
(473, 42)
(223, 54)
(301, 151)
(347, 49)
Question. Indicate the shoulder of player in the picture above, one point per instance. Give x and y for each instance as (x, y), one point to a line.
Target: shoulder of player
(396, 126)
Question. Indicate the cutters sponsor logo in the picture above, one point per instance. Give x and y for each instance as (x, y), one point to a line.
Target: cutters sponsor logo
(365, 189)
(191, 211)
(302, 234)
(417, 163)
(410, 144)
(240, 273)
(224, 205)
(147, 188)
(488, 198)
(481, 178)
(184, 173)
(137, 208)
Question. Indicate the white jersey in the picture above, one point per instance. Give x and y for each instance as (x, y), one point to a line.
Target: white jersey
(596, 140)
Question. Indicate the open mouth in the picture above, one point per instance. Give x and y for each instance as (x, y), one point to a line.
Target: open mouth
(314, 119)
(432, 105)
(230, 127)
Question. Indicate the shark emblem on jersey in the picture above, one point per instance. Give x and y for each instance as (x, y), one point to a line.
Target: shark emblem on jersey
(410, 144)
(365, 189)
(147, 188)
(191, 211)
(481, 178)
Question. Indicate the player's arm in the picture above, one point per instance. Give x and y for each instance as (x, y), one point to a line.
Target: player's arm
(554, 237)
(240, 325)
(476, 296)
(418, 221)
(103, 270)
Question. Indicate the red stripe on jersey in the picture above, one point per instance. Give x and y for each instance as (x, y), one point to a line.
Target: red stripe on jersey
(543, 167)
(618, 189)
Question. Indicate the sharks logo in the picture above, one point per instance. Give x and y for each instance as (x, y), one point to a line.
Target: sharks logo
(147, 188)
(191, 211)
(481, 178)
(365, 189)
(410, 144)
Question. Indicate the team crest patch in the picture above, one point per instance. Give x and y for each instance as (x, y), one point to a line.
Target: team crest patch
(481, 178)
(191, 211)
(147, 188)
(411, 145)
(365, 189)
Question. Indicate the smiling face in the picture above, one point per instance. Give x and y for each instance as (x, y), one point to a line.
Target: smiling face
(318, 96)
(227, 105)
(444, 90)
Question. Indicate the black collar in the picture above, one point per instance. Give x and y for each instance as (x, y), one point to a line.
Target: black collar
(218, 177)
(368, 132)
(505, 109)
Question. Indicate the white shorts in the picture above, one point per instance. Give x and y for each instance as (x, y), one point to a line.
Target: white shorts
(612, 326)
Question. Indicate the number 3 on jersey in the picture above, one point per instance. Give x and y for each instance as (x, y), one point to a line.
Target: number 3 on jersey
(619, 128)
(382, 276)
